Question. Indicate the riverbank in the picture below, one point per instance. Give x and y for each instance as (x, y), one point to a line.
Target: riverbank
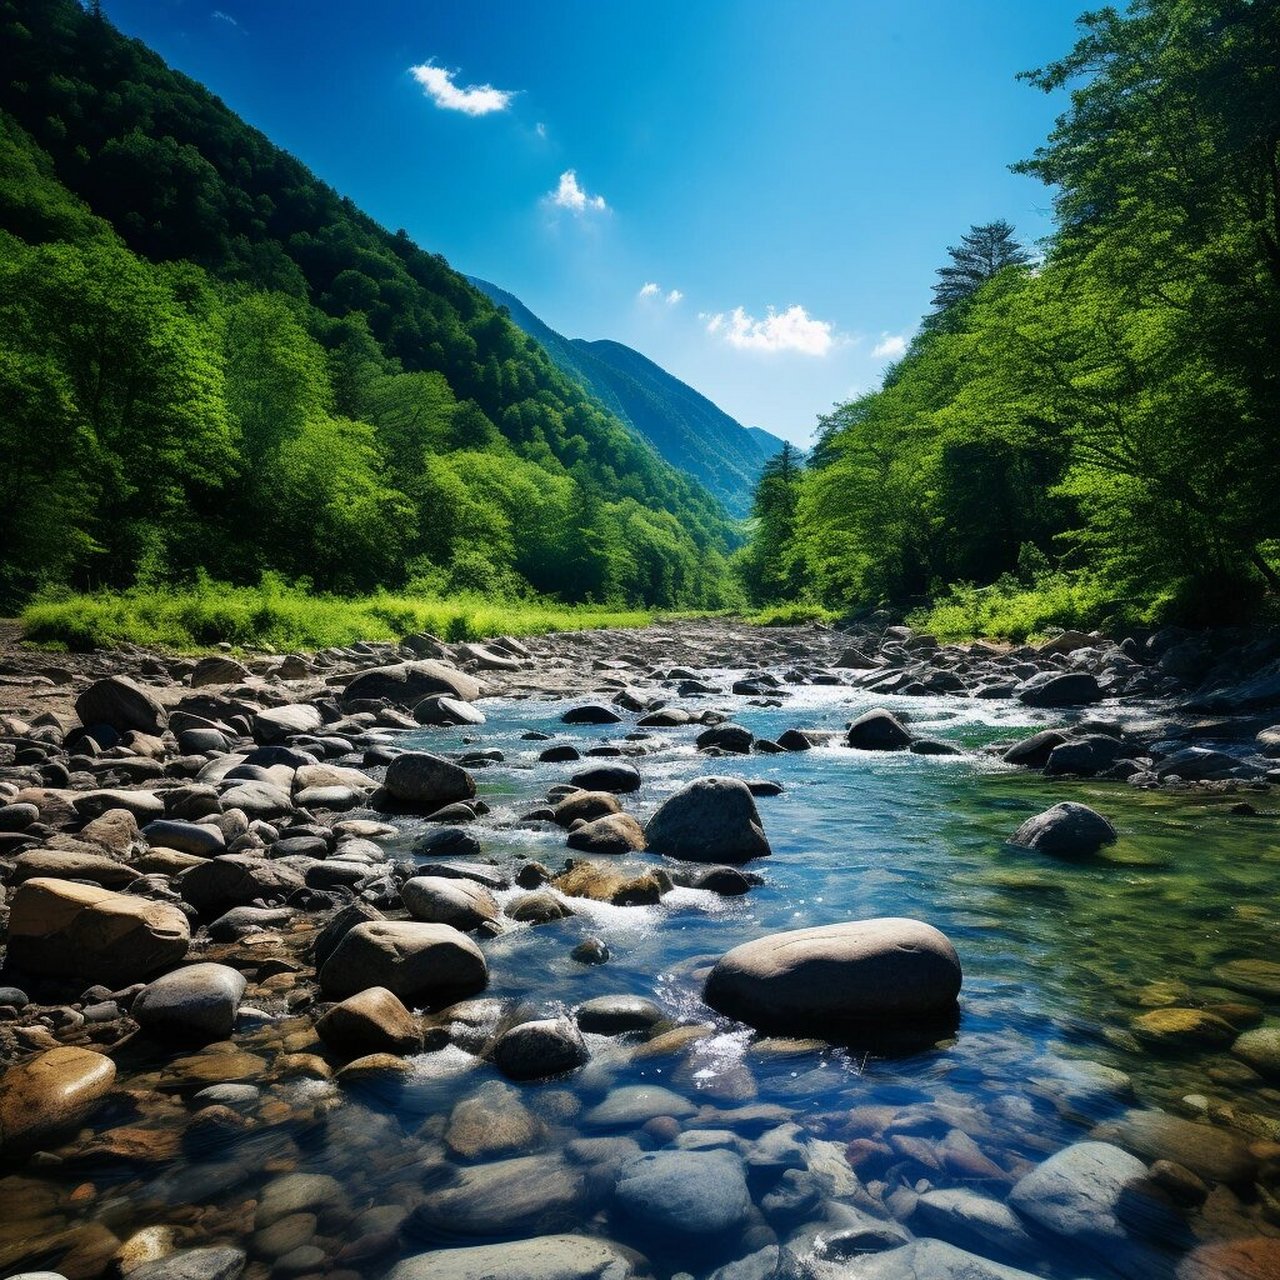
(560, 1070)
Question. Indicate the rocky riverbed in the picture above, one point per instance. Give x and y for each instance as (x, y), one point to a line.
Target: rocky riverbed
(701, 950)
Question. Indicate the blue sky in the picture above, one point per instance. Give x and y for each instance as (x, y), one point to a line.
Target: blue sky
(785, 174)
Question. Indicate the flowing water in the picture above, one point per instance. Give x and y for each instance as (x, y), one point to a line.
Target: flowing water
(1059, 958)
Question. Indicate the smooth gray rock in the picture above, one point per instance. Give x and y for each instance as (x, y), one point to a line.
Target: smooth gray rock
(445, 900)
(563, 1257)
(927, 1260)
(711, 819)
(687, 1194)
(236, 880)
(194, 1264)
(1059, 689)
(808, 980)
(407, 683)
(1087, 756)
(969, 1220)
(1068, 830)
(279, 724)
(878, 730)
(502, 1197)
(1199, 764)
(540, 1049)
(616, 1015)
(197, 1002)
(200, 839)
(440, 709)
(1034, 752)
(621, 779)
(123, 704)
(426, 781)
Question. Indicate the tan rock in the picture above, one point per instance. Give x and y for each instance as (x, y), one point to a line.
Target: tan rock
(50, 1094)
(605, 884)
(371, 1021)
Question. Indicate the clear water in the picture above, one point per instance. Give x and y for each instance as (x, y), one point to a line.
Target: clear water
(1058, 959)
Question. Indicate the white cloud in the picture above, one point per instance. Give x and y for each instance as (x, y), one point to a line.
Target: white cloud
(892, 346)
(569, 195)
(540, 129)
(791, 330)
(673, 297)
(649, 290)
(475, 100)
(224, 17)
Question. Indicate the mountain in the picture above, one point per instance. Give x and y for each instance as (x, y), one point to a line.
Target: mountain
(683, 425)
(212, 361)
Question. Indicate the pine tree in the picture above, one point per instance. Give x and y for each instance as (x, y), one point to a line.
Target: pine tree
(983, 252)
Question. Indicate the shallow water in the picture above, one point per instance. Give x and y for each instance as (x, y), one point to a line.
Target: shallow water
(1058, 959)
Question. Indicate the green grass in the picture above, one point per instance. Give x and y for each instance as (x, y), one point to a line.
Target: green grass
(1010, 610)
(791, 615)
(282, 618)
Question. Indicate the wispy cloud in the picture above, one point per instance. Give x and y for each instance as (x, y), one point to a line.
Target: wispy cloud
(892, 346)
(473, 100)
(569, 194)
(224, 17)
(791, 330)
(651, 289)
(540, 129)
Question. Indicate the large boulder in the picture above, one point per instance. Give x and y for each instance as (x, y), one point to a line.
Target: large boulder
(406, 683)
(196, 1002)
(1034, 752)
(121, 703)
(878, 730)
(50, 1094)
(428, 782)
(445, 900)
(439, 710)
(1088, 756)
(71, 930)
(618, 778)
(1200, 764)
(1210, 1152)
(1068, 830)
(833, 976)
(419, 963)
(614, 833)
(710, 820)
(542, 1258)
(1059, 689)
(237, 880)
(688, 1195)
(279, 724)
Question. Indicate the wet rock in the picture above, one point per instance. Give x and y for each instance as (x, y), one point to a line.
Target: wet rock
(296, 1193)
(540, 1049)
(710, 819)
(878, 730)
(686, 1194)
(1253, 1258)
(1068, 830)
(810, 979)
(1086, 757)
(968, 1220)
(590, 951)
(932, 747)
(491, 1124)
(427, 782)
(613, 833)
(64, 929)
(560, 754)
(440, 900)
(591, 713)
(928, 1260)
(50, 1094)
(407, 683)
(371, 1021)
(585, 806)
(630, 1106)
(123, 704)
(1254, 977)
(419, 963)
(1059, 689)
(605, 884)
(1034, 752)
(538, 908)
(1217, 1155)
(194, 1264)
(1176, 1028)
(621, 779)
(1079, 1194)
(197, 1002)
(731, 738)
(1198, 764)
(440, 709)
(237, 880)
(1261, 1050)
(564, 1257)
(616, 1015)
(502, 1197)
(729, 882)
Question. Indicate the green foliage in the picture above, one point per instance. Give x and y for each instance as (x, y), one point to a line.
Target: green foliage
(792, 615)
(208, 359)
(1113, 411)
(275, 615)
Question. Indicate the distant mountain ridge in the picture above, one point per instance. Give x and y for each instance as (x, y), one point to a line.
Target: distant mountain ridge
(686, 428)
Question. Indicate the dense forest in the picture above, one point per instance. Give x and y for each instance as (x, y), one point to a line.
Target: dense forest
(1092, 431)
(212, 364)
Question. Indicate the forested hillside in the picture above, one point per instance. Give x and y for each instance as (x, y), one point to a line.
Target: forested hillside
(211, 362)
(1096, 434)
(682, 424)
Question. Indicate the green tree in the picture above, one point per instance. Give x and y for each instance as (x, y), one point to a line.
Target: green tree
(983, 252)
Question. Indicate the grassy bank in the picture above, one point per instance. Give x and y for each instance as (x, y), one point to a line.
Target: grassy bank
(1009, 610)
(284, 618)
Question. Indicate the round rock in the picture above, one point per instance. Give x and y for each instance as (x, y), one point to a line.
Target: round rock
(427, 963)
(709, 820)
(1068, 830)
(198, 1002)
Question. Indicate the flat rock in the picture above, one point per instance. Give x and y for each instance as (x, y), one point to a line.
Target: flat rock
(690, 1194)
(491, 1124)
(223, 1263)
(64, 929)
(564, 1257)
(809, 979)
(928, 1260)
(630, 1106)
(1217, 1155)
(279, 724)
(503, 1197)
(237, 880)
